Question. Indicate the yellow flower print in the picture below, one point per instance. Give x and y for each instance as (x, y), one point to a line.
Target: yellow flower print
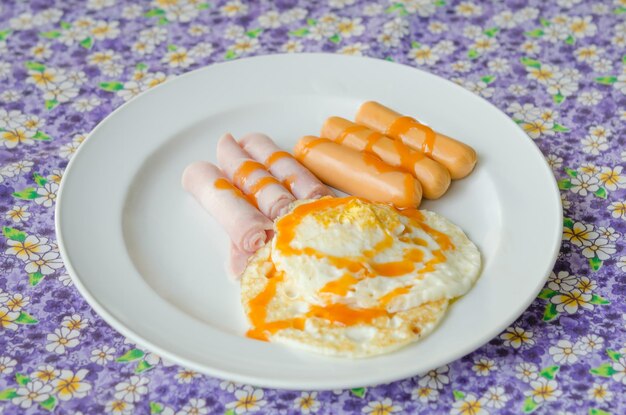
(31, 248)
(249, 399)
(71, 385)
(515, 337)
(618, 209)
(580, 234)
(7, 318)
(570, 302)
(17, 136)
(469, 405)
(307, 403)
(612, 178)
(384, 407)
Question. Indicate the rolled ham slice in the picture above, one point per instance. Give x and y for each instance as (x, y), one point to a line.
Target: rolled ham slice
(457, 157)
(434, 177)
(248, 228)
(238, 261)
(358, 173)
(267, 193)
(297, 178)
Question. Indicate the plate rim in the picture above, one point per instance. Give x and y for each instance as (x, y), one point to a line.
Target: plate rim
(382, 378)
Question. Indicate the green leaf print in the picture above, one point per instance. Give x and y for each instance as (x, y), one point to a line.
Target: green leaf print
(49, 403)
(595, 263)
(39, 179)
(458, 395)
(560, 129)
(568, 223)
(415, 44)
(360, 392)
(13, 234)
(35, 278)
(51, 104)
(27, 194)
(550, 312)
(171, 48)
(570, 40)
(156, 408)
(87, 43)
(544, 22)
(141, 66)
(488, 79)
(613, 355)
(41, 136)
(163, 21)
(530, 62)
(130, 355)
(21, 379)
(5, 33)
(203, 6)
(530, 405)
(558, 98)
(394, 7)
(335, 38)
(549, 372)
(472, 54)
(598, 300)
(7, 394)
(547, 293)
(230, 54)
(311, 22)
(606, 80)
(35, 66)
(620, 10)
(564, 184)
(596, 411)
(303, 31)
(53, 34)
(440, 3)
(254, 33)
(492, 32)
(65, 25)
(606, 370)
(571, 172)
(601, 193)
(143, 366)
(154, 13)
(111, 86)
(25, 318)
(229, 412)
(535, 33)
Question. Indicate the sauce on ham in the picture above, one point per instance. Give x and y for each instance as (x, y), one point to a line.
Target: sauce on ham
(356, 270)
(274, 157)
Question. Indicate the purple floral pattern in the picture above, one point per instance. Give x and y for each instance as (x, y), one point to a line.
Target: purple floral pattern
(556, 67)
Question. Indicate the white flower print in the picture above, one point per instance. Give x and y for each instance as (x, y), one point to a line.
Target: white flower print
(564, 352)
(601, 248)
(620, 370)
(618, 209)
(423, 55)
(194, 407)
(179, 58)
(71, 385)
(562, 281)
(16, 302)
(425, 394)
(584, 184)
(484, 366)
(612, 178)
(102, 355)
(590, 343)
(249, 399)
(46, 373)
(581, 27)
(515, 337)
(372, 9)
(132, 11)
(580, 234)
(99, 4)
(292, 46)
(46, 264)
(18, 214)
(468, 9)
(186, 375)
(7, 365)
(119, 407)
(133, 390)
(495, 397)
(608, 233)
(505, 19)
(435, 378)
(201, 50)
(47, 194)
(7, 318)
(229, 386)
(245, 45)
(270, 20)
(554, 161)
(469, 405)
(544, 390)
(197, 30)
(32, 392)
(293, 15)
(589, 98)
(66, 280)
(571, 301)
(600, 393)
(234, 8)
(74, 322)
(62, 92)
(10, 95)
(386, 407)
(499, 65)
(526, 372)
(61, 339)
(307, 403)
(355, 49)
(437, 27)
(12, 138)
(30, 249)
(86, 104)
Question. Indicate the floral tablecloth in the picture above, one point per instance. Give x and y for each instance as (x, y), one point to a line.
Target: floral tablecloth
(556, 67)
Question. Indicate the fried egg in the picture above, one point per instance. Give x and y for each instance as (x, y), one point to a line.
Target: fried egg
(348, 277)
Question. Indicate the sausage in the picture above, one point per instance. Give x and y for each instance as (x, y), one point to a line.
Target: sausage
(264, 191)
(248, 228)
(294, 176)
(457, 157)
(357, 173)
(434, 178)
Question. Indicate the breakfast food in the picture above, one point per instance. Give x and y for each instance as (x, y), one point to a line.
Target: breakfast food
(348, 277)
(457, 157)
(294, 176)
(434, 178)
(357, 173)
(264, 190)
(248, 228)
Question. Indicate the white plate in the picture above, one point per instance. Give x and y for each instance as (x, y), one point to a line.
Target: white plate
(150, 261)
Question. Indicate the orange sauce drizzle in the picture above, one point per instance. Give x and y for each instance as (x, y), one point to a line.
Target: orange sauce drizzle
(408, 157)
(289, 181)
(224, 184)
(402, 125)
(357, 270)
(349, 130)
(372, 139)
(262, 183)
(274, 157)
(308, 146)
(241, 174)
(378, 164)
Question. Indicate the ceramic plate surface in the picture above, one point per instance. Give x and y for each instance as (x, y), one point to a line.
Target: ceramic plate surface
(151, 262)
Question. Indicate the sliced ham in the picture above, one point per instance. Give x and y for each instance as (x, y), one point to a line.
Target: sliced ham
(238, 261)
(297, 178)
(248, 228)
(267, 193)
